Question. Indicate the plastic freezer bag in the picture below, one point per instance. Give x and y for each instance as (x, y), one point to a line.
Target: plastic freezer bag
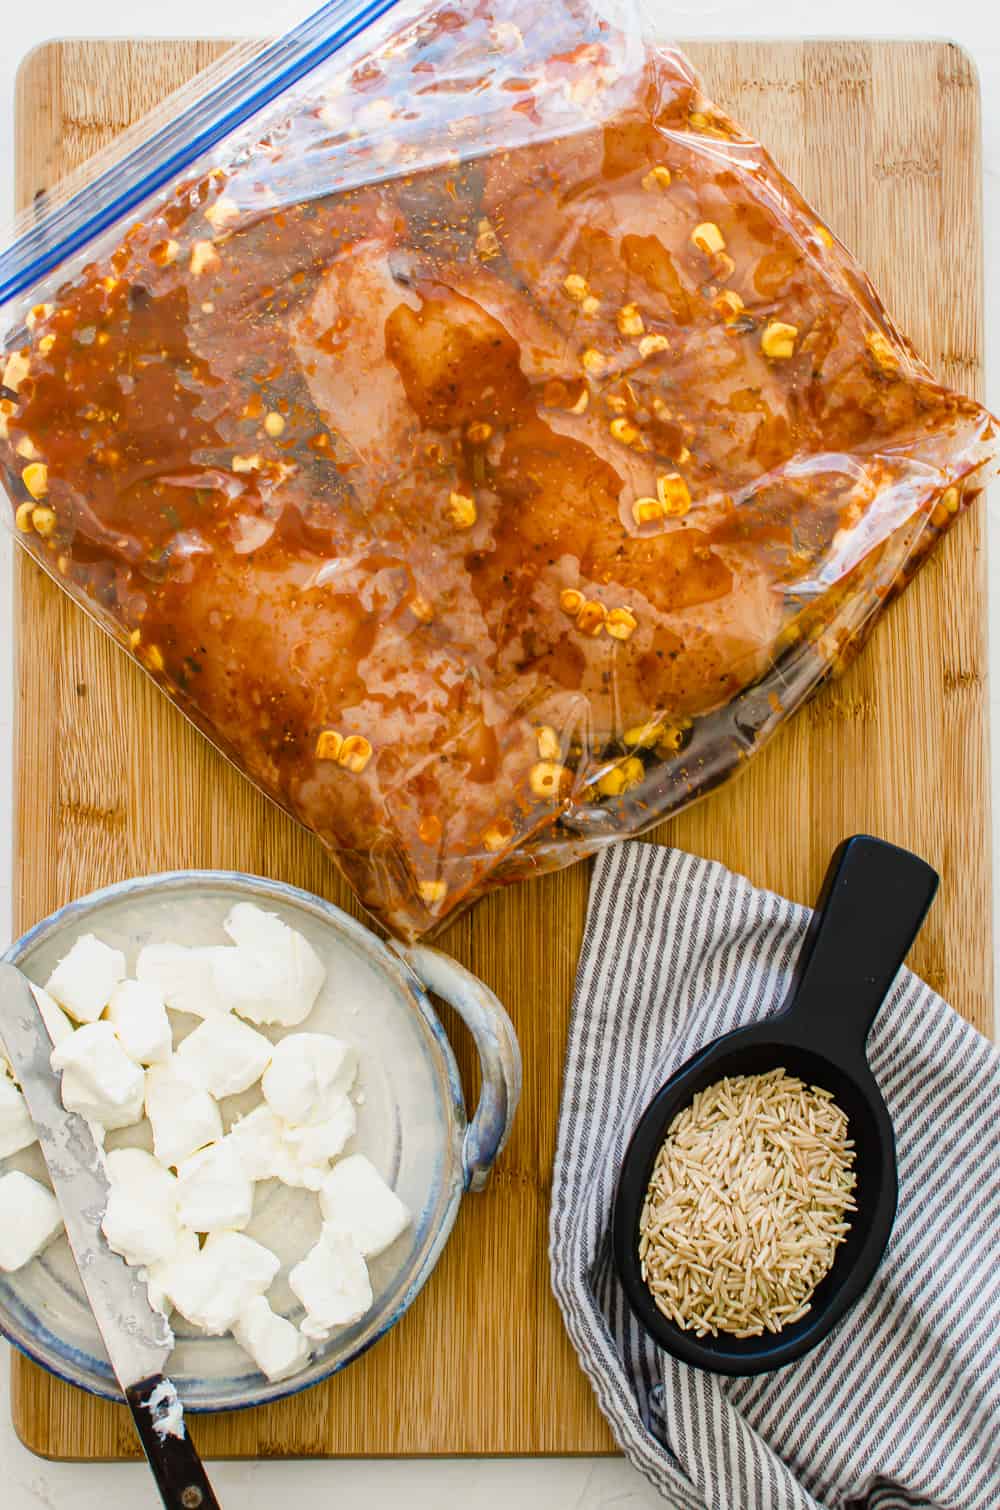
(482, 443)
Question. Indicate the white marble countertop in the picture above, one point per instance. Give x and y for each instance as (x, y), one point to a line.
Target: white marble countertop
(477, 1484)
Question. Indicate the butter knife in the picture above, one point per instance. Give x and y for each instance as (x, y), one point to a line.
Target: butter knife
(137, 1338)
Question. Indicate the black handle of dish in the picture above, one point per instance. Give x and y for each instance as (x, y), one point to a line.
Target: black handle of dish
(871, 906)
(176, 1466)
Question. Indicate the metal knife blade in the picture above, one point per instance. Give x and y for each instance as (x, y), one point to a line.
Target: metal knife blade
(137, 1338)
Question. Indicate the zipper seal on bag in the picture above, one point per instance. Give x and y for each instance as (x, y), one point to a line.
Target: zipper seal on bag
(59, 235)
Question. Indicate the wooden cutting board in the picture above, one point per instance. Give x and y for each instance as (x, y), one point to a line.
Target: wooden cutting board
(884, 139)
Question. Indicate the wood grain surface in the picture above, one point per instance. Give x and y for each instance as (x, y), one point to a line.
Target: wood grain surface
(884, 140)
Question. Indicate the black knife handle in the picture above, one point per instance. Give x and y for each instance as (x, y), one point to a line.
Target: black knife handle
(177, 1468)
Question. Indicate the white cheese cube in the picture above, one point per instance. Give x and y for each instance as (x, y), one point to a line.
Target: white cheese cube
(57, 1024)
(332, 1283)
(213, 1289)
(224, 1056)
(183, 1116)
(29, 1219)
(276, 1346)
(273, 975)
(357, 1202)
(307, 1076)
(155, 1275)
(214, 1192)
(83, 981)
(258, 1139)
(140, 1221)
(185, 976)
(139, 1017)
(99, 1080)
(17, 1130)
(323, 1141)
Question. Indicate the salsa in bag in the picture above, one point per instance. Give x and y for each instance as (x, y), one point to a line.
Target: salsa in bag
(484, 445)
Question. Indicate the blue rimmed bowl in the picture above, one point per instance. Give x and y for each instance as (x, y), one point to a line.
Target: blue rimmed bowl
(412, 1123)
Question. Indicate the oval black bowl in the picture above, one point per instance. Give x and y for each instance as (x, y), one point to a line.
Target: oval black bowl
(873, 902)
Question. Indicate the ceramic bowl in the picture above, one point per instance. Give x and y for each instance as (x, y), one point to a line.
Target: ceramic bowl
(412, 1123)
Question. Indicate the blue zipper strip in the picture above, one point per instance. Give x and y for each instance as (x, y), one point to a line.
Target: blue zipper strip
(175, 146)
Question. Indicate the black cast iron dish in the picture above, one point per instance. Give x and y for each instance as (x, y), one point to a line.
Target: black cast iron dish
(873, 901)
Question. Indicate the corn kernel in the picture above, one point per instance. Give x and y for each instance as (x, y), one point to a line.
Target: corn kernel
(824, 234)
(571, 601)
(22, 518)
(274, 424)
(594, 361)
(670, 740)
(629, 320)
(728, 304)
(329, 745)
(882, 351)
(549, 747)
(616, 403)
(950, 500)
(222, 212)
(421, 608)
(164, 252)
(247, 463)
(35, 477)
(153, 658)
(36, 315)
(461, 510)
(46, 344)
(647, 510)
(203, 257)
(590, 305)
(643, 736)
(621, 778)
(674, 493)
(44, 520)
(109, 284)
(26, 447)
(650, 345)
(134, 638)
(778, 340)
(577, 287)
(15, 370)
(432, 892)
(547, 778)
(939, 516)
(355, 753)
(708, 238)
(656, 178)
(430, 828)
(62, 565)
(498, 835)
(623, 429)
(723, 267)
(590, 619)
(580, 407)
(478, 433)
(621, 623)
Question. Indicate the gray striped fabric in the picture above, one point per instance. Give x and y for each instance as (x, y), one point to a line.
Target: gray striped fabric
(900, 1406)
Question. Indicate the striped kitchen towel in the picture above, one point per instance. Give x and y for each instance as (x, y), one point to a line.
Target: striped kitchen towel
(900, 1406)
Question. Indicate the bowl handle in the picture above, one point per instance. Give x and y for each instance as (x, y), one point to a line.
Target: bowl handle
(499, 1054)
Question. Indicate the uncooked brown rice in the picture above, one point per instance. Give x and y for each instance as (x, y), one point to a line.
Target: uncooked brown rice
(747, 1203)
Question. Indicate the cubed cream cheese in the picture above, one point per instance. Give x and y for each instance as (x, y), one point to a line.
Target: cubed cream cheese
(154, 1275)
(83, 981)
(323, 1141)
(57, 1024)
(29, 1219)
(276, 1346)
(273, 975)
(17, 1130)
(214, 1192)
(99, 1080)
(224, 1056)
(332, 1283)
(139, 1017)
(213, 1289)
(357, 1203)
(140, 1221)
(185, 976)
(183, 1117)
(257, 1137)
(307, 1076)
